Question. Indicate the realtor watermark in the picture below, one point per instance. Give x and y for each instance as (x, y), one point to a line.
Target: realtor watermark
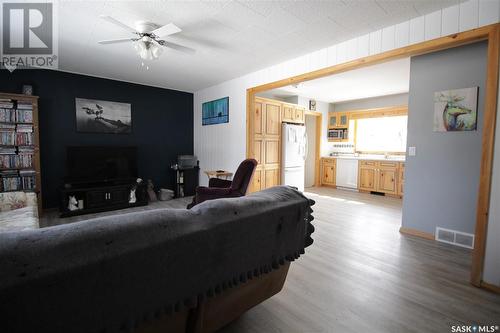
(29, 35)
(475, 328)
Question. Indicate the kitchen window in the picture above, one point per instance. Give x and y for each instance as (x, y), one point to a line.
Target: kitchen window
(382, 134)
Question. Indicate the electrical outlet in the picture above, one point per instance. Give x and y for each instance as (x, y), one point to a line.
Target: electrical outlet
(412, 151)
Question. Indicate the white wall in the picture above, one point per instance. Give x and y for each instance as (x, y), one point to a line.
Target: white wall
(223, 146)
(492, 258)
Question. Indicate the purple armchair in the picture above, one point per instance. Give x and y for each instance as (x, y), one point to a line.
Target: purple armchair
(220, 188)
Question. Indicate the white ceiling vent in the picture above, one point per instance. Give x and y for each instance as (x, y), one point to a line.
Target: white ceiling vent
(454, 237)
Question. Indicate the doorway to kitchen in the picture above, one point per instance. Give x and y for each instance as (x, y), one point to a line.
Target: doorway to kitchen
(355, 130)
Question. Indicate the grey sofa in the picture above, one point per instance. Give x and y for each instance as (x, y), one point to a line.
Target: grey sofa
(155, 271)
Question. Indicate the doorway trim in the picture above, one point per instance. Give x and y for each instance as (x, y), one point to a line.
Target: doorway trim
(489, 33)
(317, 155)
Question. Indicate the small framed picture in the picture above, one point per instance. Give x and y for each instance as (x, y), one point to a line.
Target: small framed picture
(27, 89)
(312, 105)
(215, 112)
(455, 110)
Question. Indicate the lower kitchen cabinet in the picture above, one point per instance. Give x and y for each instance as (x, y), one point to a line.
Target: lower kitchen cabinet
(387, 181)
(380, 176)
(328, 171)
(367, 176)
(401, 179)
(373, 176)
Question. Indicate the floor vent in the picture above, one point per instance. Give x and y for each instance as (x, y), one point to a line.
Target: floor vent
(454, 237)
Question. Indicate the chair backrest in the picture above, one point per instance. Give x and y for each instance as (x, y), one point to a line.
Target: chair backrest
(243, 175)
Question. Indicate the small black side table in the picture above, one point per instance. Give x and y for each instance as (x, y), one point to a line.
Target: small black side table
(186, 181)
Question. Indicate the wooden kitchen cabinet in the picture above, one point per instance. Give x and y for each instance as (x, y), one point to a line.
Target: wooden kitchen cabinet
(401, 179)
(332, 120)
(366, 177)
(288, 113)
(299, 115)
(387, 180)
(343, 120)
(272, 118)
(380, 176)
(338, 123)
(338, 120)
(256, 184)
(266, 143)
(328, 171)
(257, 117)
(293, 113)
(271, 177)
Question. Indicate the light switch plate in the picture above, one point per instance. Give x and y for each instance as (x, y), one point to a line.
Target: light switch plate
(412, 151)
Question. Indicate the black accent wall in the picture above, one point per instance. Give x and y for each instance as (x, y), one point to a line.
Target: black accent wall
(162, 123)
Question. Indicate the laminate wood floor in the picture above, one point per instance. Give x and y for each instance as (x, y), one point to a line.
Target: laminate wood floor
(362, 275)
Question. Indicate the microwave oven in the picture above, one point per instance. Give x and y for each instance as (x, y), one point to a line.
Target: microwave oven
(335, 134)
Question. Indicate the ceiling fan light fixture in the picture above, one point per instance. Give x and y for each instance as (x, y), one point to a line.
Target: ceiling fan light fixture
(156, 51)
(147, 37)
(148, 49)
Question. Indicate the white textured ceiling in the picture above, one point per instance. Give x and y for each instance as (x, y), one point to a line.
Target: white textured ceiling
(232, 38)
(378, 80)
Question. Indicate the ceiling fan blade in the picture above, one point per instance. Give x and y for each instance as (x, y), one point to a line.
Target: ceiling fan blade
(166, 30)
(115, 41)
(178, 47)
(118, 23)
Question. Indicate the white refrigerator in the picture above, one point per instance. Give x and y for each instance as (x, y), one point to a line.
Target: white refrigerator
(294, 152)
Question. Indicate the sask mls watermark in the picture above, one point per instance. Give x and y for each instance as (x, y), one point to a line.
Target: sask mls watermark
(474, 328)
(29, 35)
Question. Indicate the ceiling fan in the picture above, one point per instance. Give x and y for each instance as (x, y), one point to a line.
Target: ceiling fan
(147, 40)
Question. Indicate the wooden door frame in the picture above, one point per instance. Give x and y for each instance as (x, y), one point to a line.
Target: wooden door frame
(317, 154)
(489, 33)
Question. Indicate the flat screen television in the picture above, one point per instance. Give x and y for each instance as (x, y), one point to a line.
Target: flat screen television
(101, 164)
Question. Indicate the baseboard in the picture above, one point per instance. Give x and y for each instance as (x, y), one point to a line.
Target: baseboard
(417, 233)
(490, 287)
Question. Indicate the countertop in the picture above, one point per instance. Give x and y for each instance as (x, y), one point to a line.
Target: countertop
(394, 158)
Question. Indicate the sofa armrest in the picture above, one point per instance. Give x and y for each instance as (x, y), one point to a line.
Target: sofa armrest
(220, 183)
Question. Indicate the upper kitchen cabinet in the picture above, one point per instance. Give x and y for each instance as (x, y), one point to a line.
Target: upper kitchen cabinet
(343, 120)
(300, 115)
(272, 118)
(338, 120)
(288, 113)
(293, 113)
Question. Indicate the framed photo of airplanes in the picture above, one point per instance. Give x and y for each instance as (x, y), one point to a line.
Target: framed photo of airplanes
(95, 116)
(455, 110)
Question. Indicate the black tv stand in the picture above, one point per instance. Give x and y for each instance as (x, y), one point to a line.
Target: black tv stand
(101, 196)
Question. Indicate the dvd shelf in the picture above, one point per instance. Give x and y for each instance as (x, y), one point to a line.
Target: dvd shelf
(19, 144)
